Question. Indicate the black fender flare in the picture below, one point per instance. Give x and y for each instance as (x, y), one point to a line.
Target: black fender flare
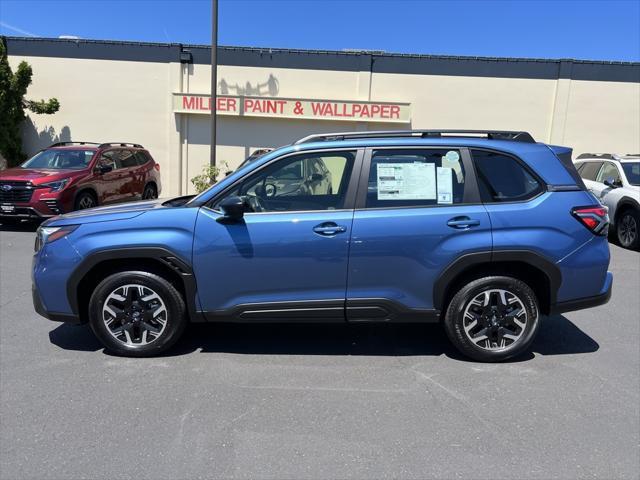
(495, 257)
(160, 254)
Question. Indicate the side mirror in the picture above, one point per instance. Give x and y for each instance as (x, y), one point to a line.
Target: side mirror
(233, 208)
(102, 169)
(611, 182)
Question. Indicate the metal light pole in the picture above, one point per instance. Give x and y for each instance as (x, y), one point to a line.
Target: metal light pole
(214, 77)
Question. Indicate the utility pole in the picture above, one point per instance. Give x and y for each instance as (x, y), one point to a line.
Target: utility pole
(214, 77)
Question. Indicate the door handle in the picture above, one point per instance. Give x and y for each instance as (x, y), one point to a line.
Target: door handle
(329, 229)
(463, 222)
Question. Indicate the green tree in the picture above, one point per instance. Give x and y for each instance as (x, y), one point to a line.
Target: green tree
(13, 87)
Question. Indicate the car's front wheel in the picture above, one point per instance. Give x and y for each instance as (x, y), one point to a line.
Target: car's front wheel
(137, 313)
(628, 229)
(492, 318)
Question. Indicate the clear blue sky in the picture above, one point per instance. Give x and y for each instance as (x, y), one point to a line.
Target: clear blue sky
(598, 30)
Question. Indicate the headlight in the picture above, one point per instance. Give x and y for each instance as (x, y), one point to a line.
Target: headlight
(46, 235)
(57, 185)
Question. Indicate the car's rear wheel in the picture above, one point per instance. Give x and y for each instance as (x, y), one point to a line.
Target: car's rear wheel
(149, 192)
(628, 229)
(492, 318)
(85, 200)
(137, 314)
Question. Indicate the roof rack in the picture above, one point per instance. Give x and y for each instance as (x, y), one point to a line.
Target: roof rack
(62, 144)
(120, 144)
(607, 156)
(515, 136)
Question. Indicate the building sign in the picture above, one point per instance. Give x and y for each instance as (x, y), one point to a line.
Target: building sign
(274, 107)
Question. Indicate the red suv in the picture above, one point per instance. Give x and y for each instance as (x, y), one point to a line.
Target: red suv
(75, 175)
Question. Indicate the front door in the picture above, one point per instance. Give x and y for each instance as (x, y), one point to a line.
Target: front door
(287, 258)
(418, 211)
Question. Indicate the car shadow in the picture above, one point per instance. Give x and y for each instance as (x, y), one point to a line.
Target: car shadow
(20, 227)
(557, 336)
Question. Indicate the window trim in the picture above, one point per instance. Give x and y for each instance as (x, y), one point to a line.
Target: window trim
(544, 187)
(350, 194)
(471, 194)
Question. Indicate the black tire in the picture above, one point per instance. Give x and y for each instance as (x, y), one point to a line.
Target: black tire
(175, 318)
(149, 192)
(85, 200)
(455, 320)
(628, 229)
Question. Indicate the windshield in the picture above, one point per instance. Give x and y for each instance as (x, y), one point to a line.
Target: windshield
(632, 171)
(60, 159)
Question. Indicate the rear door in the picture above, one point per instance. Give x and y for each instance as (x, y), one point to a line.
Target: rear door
(418, 210)
(589, 172)
(132, 183)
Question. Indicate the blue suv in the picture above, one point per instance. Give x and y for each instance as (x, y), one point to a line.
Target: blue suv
(483, 231)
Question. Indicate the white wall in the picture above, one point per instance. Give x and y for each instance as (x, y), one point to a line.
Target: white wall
(104, 100)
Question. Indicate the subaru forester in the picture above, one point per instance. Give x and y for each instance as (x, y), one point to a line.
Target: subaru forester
(483, 231)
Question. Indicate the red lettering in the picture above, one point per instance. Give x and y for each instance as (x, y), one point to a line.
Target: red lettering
(395, 111)
(248, 104)
(384, 111)
(281, 104)
(375, 110)
(317, 108)
(188, 103)
(356, 109)
(365, 111)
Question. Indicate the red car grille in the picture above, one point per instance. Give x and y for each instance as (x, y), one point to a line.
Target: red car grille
(15, 192)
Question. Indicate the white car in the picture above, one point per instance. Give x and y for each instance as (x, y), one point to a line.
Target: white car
(615, 180)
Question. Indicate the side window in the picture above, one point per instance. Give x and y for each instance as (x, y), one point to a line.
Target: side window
(501, 178)
(108, 159)
(579, 167)
(590, 170)
(608, 170)
(127, 159)
(141, 158)
(415, 178)
(299, 183)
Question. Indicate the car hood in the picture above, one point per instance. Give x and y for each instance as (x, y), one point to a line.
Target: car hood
(121, 211)
(35, 175)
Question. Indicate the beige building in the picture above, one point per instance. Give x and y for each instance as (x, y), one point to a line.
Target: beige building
(157, 95)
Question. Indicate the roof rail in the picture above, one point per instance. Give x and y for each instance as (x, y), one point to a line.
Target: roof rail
(62, 144)
(515, 136)
(607, 156)
(120, 144)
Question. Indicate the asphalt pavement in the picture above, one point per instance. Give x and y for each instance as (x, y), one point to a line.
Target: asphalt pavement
(318, 402)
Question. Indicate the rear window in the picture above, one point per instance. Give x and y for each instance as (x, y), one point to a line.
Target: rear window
(502, 178)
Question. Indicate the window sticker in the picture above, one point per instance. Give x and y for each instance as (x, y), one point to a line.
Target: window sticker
(445, 185)
(406, 181)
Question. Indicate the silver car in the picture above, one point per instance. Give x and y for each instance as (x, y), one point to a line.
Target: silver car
(615, 180)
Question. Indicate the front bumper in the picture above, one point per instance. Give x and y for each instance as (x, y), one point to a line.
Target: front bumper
(586, 302)
(54, 316)
(24, 213)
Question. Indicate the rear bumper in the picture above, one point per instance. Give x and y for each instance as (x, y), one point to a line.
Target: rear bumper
(586, 302)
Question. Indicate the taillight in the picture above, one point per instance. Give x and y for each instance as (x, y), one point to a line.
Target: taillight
(594, 218)
(156, 166)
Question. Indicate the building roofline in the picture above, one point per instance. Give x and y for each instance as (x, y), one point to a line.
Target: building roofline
(376, 62)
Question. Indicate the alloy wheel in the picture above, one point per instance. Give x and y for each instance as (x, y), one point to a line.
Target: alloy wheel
(495, 319)
(86, 202)
(627, 230)
(134, 315)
